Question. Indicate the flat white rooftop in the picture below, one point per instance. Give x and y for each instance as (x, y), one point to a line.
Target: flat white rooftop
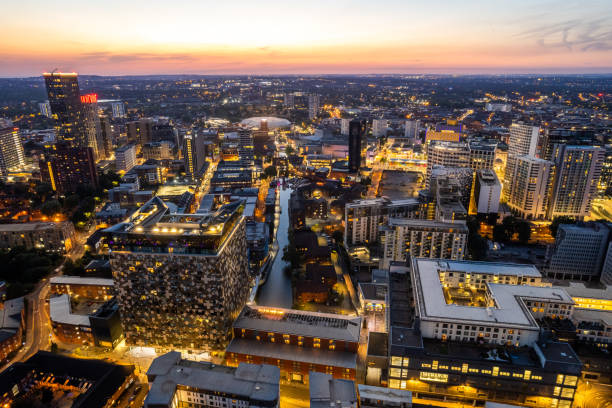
(579, 290)
(592, 315)
(460, 226)
(79, 280)
(61, 312)
(489, 268)
(509, 310)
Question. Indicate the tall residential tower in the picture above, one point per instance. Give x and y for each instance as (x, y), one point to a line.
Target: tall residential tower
(66, 108)
(356, 136)
(181, 279)
(11, 150)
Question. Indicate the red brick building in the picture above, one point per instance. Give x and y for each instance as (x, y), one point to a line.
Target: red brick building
(296, 341)
(89, 288)
(12, 323)
(309, 291)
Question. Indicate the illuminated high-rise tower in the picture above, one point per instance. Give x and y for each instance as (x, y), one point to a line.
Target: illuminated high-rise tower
(107, 136)
(194, 153)
(66, 108)
(523, 141)
(531, 186)
(93, 127)
(577, 175)
(313, 106)
(11, 150)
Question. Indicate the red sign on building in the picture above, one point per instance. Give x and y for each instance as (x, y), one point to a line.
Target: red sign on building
(89, 98)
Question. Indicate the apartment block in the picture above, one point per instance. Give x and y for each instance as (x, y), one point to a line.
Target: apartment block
(180, 279)
(48, 236)
(405, 238)
(579, 251)
(176, 382)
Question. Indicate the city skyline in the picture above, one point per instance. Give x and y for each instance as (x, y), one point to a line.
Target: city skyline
(315, 38)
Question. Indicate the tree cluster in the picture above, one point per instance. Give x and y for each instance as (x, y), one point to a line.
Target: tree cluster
(476, 245)
(23, 268)
(510, 226)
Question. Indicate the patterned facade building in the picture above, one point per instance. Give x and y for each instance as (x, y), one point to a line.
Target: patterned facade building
(180, 279)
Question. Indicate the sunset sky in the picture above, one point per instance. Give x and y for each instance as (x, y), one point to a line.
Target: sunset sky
(308, 36)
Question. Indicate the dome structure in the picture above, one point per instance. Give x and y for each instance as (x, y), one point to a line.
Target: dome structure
(273, 122)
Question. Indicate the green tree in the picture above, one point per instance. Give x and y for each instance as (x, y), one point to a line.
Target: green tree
(523, 228)
(338, 236)
(24, 402)
(270, 171)
(473, 225)
(291, 255)
(554, 225)
(51, 207)
(108, 180)
(72, 201)
(499, 233)
(476, 244)
(508, 223)
(42, 191)
(47, 396)
(289, 150)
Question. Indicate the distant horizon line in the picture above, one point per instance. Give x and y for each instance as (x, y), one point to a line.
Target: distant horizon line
(365, 74)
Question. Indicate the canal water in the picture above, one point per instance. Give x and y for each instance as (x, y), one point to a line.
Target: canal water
(276, 291)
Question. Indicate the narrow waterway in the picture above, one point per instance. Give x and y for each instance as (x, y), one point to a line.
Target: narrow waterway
(276, 291)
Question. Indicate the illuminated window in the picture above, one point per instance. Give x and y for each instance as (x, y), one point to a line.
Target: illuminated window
(560, 379)
(495, 371)
(435, 377)
(570, 380)
(394, 383)
(567, 393)
(527, 375)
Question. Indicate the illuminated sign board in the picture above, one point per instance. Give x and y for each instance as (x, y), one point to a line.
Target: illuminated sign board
(436, 377)
(89, 98)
